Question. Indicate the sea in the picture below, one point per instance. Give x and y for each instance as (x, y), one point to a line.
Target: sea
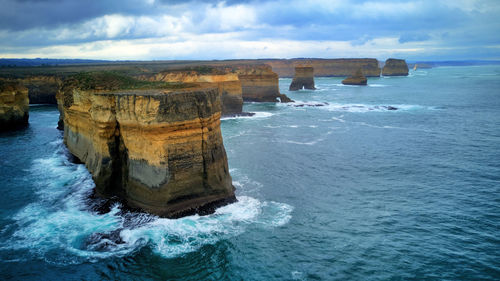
(397, 180)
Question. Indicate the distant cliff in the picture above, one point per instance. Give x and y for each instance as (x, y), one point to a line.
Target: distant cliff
(395, 67)
(303, 78)
(156, 145)
(326, 67)
(14, 105)
(42, 89)
(227, 83)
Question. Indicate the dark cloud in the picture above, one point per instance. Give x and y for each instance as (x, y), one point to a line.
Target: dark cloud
(26, 23)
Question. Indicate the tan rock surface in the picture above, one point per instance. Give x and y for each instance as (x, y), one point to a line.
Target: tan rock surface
(14, 105)
(159, 150)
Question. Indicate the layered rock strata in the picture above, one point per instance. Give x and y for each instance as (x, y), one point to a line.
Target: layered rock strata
(303, 79)
(157, 149)
(260, 84)
(395, 67)
(228, 85)
(42, 89)
(326, 67)
(14, 105)
(356, 79)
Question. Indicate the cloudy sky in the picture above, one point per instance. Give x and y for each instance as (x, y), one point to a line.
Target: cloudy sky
(202, 29)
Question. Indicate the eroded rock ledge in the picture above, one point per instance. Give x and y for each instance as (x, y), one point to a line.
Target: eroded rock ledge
(303, 79)
(356, 79)
(156, 147)
(14, 105)
(395, 67)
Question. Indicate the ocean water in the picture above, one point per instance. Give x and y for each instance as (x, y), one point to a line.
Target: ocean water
(337, 186)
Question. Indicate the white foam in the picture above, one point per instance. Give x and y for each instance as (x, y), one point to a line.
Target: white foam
(59, 228)
(171, 238)
(377, 85)
(258, 114)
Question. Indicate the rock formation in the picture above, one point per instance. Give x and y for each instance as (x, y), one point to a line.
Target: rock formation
(303, 79)
(395, 67)
(326, 67)
(227, 83)
(14, 105)
(356, 79)
(155, 145)
(260, 84)
(42, 89)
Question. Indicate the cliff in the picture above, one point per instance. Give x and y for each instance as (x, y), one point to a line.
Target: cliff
(227, 84)
(395, 67)
(14, 105)
(260, 84)
(42, 89)
(304, 78)
(155, 145)
(356, 79)
(326, 67)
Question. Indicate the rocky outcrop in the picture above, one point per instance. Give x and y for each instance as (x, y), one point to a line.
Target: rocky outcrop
(156, 147)
(395, 67)
(14, 105)
(356, 79)
(303, 79)
(227, 83)
(42, 89)
(326, 67)
(260, 84)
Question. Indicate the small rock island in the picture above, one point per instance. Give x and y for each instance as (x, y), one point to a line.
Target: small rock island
(356, 79)
(303, 79)
(14, 105)
(157, 146)
(395, 67)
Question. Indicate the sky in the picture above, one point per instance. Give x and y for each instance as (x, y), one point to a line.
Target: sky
(233, 29)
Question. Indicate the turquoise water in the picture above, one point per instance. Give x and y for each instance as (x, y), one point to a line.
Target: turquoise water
(333, 187)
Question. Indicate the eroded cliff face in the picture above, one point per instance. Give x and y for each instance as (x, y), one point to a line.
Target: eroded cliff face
(227, 84)
(14, 105)
(303, 79)
(326, 67)
(356, 79)
(42, 89)
(260, 84)
(159, 150)
(395, 67)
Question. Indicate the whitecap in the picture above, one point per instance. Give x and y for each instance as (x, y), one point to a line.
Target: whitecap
(60, 228)
(257, 115)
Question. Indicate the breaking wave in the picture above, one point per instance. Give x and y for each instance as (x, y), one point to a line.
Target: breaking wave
(61, 228)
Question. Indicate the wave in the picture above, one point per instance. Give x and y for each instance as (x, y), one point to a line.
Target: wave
(257, 115)
(360, 108)
(61, 228)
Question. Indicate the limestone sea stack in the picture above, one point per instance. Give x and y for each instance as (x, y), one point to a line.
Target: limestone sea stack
(395, 67)
(14, 105)
(260, 84)
(303, 79)
(155, 145)
(356, 79)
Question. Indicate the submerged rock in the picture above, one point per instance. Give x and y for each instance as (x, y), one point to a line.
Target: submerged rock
(14, 105)
(395, 67)
(356, 79)
(156, 148)
(303, 79)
